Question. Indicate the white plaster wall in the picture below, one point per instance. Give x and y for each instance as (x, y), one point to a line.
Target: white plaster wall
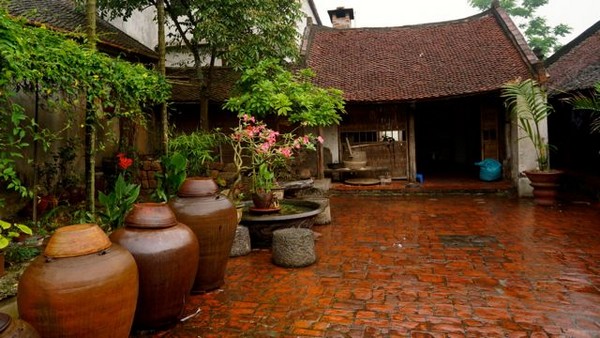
(524, 152)
(330, 134)
(185, 59)
(140, 26)
(308, 13)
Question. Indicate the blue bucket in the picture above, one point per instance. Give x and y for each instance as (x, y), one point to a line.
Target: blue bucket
(490, 170)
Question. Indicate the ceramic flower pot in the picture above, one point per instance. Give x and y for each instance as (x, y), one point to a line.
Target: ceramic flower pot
(262, 200)
(545, 185)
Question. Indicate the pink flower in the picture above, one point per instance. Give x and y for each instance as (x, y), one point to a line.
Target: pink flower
(320, 139)
(248, 118)
(265, 147)
(286, 152)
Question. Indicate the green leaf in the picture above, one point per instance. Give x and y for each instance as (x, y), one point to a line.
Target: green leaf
(5, 225)
(4, 242)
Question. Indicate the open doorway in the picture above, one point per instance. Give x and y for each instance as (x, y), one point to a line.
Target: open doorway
(448, 140)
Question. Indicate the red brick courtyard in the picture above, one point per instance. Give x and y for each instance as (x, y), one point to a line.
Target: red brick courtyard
(420, 266)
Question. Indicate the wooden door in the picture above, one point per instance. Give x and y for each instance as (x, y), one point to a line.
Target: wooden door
(489, 133)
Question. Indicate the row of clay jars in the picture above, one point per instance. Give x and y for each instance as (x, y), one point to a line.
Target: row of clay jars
(81, 271)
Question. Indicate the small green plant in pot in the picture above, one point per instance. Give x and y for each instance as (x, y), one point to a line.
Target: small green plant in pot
(528, 104)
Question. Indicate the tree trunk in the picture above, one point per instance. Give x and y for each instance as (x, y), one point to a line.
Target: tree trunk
(90, 120)
(320, 158)
(164, 119)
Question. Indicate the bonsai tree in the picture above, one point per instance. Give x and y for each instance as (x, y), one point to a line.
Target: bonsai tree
(268, 88)
(527, 101)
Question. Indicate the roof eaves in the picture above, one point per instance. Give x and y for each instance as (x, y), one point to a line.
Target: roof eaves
(572, 44)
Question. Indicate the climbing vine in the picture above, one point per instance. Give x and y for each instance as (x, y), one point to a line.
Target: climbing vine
(64, 72)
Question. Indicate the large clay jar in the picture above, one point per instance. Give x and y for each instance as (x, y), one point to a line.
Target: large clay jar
(82, 286)
(213, 218)
(15, 328)
(166, 253)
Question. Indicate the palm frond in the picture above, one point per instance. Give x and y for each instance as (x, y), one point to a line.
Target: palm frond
(591, 104)
(528, 104)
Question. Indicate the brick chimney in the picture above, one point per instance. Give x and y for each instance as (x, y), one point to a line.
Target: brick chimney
(341, 17)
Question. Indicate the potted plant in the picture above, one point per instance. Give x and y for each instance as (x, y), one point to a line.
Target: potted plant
(259, 151)
(528, 104)
(263, 182)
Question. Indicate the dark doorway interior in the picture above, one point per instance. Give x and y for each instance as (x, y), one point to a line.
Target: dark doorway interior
(448, 140)
(185, 117)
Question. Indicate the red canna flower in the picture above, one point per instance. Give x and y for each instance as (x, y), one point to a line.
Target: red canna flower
(124, 162)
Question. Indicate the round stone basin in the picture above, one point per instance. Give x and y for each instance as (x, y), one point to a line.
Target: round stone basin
(293, 214)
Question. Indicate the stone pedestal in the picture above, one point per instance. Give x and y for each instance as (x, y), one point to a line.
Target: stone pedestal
(293, 247)
(241, 242)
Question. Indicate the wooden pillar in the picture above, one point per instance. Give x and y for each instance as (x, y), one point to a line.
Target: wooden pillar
(320, 158)
(412, 149)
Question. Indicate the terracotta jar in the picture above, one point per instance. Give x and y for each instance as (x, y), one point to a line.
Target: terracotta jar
(15, 328)
(82, 286)
(166, 253)
(213, 218)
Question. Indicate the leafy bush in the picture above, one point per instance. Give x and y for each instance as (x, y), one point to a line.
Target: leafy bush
(17, 253)
(199, 148)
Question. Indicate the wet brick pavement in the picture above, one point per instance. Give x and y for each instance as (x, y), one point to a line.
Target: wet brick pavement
(417, 266)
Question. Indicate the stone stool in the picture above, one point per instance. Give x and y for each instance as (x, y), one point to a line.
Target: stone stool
(324, 217)
(241, 242)
(293, 247)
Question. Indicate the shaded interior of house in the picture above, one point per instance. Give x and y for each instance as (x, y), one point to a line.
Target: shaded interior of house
(436, 139)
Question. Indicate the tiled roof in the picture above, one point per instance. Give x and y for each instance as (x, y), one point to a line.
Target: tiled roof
(462, 57)
(576, 66)
(186, 89)
(64, 15)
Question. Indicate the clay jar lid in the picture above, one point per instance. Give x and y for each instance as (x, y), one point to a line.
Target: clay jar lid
(77, 240)
(198, 187)
(151, 215)
(5, 321)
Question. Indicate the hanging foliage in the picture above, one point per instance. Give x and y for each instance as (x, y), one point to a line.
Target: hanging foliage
(64, 72)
